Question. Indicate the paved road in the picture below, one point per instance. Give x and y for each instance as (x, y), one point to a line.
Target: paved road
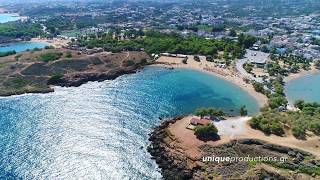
(244, 73)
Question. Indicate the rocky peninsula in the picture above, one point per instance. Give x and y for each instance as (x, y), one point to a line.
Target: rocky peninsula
(36, 71)
(179, 162)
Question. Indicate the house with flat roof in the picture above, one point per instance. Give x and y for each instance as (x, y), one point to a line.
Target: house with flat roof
(257, 58)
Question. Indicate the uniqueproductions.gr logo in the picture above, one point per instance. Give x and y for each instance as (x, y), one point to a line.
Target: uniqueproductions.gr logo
(231, 159)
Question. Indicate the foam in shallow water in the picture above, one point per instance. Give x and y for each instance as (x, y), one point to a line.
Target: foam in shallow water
(100, 130)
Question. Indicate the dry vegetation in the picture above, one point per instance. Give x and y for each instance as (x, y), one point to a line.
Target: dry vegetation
(31, 71)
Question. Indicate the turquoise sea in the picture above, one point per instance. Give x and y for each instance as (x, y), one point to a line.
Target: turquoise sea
(21, 46)
(4, 17)
(306, 88)
(100, 130)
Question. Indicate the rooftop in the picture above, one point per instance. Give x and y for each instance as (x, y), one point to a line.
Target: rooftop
(257, 57)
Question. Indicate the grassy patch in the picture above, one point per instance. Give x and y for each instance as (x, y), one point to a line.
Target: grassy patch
(50, 56)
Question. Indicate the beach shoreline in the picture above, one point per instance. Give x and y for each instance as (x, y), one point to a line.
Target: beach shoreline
(55, 42)
(229, 75)
(301, 74)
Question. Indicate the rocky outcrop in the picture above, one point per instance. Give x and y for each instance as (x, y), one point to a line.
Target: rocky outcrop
(32, 75)
(77, 79)
(176, 164)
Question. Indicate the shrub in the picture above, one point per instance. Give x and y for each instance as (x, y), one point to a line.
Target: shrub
(184, 61)
(207, 132)
(197, 58)
(50, 56)
(68, 54)
(258, 87)
(275, 101)
(299, 132)
(49, 47)
(315, 127)
(243, 111)
(128, 63)
(248, 67)
(210, 58)
(36, 49)
(299, 104)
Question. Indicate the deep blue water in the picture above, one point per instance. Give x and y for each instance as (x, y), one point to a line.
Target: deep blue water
(306, 88)
(4, 17)
(100, 130)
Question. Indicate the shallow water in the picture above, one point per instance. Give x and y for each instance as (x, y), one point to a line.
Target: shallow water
(100, 130)
(306, 88)
(4, 17)
(21, 46)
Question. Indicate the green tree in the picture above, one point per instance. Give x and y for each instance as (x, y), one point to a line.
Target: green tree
(299, 132)
(215, 112)
(243, 111)
(299, 104)
(258, 87)
(206, 132)
(201, 112)
(233, 33)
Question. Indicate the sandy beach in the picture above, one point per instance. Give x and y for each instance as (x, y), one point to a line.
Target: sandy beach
(302, 73)
(56, 42)
(228, 74)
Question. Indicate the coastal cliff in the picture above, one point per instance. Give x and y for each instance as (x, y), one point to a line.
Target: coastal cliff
(176, 162)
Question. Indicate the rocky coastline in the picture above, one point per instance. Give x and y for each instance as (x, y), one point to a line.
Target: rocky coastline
(76, 80)
(176, 164)
(31, 75)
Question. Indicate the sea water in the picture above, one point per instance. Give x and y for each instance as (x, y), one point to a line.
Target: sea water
(100, 129)
(5, 17)
(21, 46)
(306, 88)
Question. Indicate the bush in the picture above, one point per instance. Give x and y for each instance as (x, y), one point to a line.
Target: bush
(209, 111)
(49, 47)
(185, 61)
(68, 54)
(50, 56)
(36, 49)
(276, 128)
(275, 101)
(258, 87)
(299, 104)
(128, 63)
(243, 111)
(299, 132)
(248, 67)
(315, 127)
(267, 125)
(206, 132)
(210, 58)
(197, 58)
